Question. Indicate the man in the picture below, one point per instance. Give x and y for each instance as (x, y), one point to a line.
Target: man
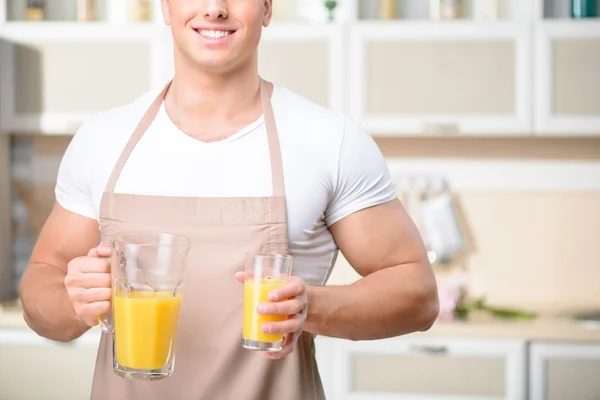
(201, 159)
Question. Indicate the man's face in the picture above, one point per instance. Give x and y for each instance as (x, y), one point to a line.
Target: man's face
(220, 34)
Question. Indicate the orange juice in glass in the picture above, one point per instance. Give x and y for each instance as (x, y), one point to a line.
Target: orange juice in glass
(264, 273)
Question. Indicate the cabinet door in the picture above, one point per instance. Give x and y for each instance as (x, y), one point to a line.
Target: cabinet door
(564, 371)
(429, 369)
(54, 77)
(306, 59)
(35, 368)
(442, 77)
(567, 78)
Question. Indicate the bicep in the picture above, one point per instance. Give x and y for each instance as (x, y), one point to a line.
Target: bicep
(65, 236)
(379, 237)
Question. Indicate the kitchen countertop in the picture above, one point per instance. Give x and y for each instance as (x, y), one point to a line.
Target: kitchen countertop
(542, 328)
(13, 329)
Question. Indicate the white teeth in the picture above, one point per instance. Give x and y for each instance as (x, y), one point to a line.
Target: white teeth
(211, 34)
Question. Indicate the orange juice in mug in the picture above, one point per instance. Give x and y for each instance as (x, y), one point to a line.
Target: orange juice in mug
(264, 273)
(145, 325)
(147, 271)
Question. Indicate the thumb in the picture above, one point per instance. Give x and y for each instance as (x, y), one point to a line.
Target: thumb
(102, 250)
(240, 276)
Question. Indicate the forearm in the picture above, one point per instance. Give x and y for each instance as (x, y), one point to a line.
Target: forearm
(47, 308)
(386, 303)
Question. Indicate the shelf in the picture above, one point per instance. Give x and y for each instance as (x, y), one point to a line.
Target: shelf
(291, 30)
(114, 11)
(561, 9)
(449, 77)
(78, 31)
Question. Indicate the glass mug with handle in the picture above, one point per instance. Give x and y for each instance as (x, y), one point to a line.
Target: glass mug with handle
(264, 273)
(147, 290)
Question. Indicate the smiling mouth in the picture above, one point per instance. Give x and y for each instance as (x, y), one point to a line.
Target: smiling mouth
(212, 34)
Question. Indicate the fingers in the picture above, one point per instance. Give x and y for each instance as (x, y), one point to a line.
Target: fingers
(278, 355)
(291, 325)
(88, 284)
(102, 250)
(287, 307)
(89, 264)
(90, 295)
(89, 312)
(289, 344)
(292, 289)
(89, 280)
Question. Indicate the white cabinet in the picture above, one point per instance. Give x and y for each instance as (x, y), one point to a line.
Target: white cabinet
(567, 78)
(560, 371)
(306, 59)
(446, 77)
(35, 368)
(55, 76)
(518, 76)
(423, 368)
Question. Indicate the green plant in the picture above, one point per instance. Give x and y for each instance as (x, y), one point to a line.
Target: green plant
(331, 5)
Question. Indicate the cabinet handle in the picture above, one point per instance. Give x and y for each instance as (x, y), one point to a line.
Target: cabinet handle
(429, 349)
(441, 129)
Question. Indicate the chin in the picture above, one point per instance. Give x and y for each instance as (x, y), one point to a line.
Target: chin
(232, 60)
(216, 65)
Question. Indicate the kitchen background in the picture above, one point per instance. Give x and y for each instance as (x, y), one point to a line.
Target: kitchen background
(488, 112)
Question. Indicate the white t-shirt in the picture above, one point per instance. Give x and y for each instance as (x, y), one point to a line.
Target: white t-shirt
(331, 169)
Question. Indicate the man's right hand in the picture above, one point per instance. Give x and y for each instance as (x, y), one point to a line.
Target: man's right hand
(88, 284)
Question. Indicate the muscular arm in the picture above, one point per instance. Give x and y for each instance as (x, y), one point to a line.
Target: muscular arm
(397, 294)
(47, 308)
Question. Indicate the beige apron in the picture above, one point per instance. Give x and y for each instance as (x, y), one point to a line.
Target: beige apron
(210, 363)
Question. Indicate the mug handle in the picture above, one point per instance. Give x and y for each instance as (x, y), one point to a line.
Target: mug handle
(105, 324)
(103, 320)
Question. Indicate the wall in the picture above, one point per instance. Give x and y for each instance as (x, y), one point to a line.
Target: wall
(530, 207)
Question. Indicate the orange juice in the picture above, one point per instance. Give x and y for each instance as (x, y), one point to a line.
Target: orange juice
(255, 293)
(145, 326)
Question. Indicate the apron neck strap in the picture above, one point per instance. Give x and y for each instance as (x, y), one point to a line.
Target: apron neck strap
(152, 112)
(273, 139)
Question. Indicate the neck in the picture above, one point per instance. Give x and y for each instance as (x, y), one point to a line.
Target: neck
(203, 94)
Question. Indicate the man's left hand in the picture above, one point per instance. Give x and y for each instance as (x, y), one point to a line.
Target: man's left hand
(290, 300)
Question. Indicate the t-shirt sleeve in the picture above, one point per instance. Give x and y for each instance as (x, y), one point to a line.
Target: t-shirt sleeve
(363, 178)
(74, 180)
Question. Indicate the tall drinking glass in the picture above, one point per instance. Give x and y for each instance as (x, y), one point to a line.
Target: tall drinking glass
(264, 272)
(147, 289)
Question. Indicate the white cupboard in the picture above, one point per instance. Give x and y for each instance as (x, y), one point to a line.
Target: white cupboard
(404, 77)
(307, 60)
(567, 78)
(441, 78)
(560, 371)
(413, 367)
(34, 368)
(55, 77)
